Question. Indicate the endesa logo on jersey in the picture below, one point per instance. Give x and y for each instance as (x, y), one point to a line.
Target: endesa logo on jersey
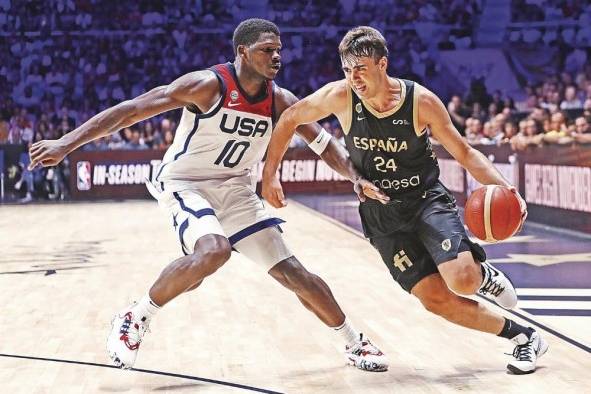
(246, 127)
(83, 175)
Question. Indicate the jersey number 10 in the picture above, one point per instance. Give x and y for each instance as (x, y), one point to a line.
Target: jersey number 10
(232, 153)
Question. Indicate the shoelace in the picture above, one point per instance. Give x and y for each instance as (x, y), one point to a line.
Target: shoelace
(365, 347)
(492, 286)
(134, 331)
(523, 352)
(371, 349)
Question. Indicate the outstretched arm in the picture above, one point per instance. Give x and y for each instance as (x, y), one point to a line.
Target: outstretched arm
(185, 90)
(433, 114)
(332, 153)
(293, 115)
(301, 116)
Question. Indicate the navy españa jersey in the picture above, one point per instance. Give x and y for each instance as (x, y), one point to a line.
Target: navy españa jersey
(388, 149)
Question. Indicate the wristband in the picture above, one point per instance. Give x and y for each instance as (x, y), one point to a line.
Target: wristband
(320, 142)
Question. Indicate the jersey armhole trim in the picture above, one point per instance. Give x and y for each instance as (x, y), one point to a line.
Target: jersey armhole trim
(415, 110)
(216, 107)
(274, 119)
(347, 120)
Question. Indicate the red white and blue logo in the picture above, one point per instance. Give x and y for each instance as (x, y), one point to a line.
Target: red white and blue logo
(83, 174)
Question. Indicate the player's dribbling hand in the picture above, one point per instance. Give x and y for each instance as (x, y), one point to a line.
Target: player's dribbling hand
(46, 153)
(365, 188)
(523, 207)
(273, 192)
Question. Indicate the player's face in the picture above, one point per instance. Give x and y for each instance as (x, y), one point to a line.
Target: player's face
(363, 75)
(264, 56)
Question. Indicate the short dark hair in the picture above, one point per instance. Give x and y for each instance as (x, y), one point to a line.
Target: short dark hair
(249, 31)
(363, 41)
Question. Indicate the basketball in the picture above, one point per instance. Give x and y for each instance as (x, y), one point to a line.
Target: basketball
(492, 213)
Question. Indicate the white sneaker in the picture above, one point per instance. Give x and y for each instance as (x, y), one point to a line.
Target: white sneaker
(497, 287)
(366, 356)
(125, 338)
(526, 355)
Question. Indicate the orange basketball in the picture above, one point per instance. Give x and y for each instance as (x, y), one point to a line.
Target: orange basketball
(492, 213)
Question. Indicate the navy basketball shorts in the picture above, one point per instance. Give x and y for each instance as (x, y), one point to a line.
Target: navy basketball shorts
(433, 235)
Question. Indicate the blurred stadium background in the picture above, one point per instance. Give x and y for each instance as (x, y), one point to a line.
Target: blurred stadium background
(515, 76)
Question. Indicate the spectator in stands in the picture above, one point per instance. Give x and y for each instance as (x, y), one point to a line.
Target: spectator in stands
(551, 100)
(96, 145)
(522, 123)
(493, 130)
(42, 128)
(478, 112)
(135, 142)
(478, 93)
(4, 128)
(167, 141)
(540, 114)
(166, 125)
(558, 130)
(582, 132)
(531, 136)
(458, 113)
(531, 102)
(571, 101)
(474, 130)
(115, 141)
(509, 131)
(149, 135)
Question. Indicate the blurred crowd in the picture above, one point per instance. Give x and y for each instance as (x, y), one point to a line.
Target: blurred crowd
(549, 10)
(65, 60)
(546, 21)
(106, 15)
(555, 113)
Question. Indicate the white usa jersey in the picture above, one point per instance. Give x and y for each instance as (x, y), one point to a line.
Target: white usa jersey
(225, 142)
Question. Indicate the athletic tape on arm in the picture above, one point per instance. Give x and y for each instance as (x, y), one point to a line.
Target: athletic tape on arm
(321, 142)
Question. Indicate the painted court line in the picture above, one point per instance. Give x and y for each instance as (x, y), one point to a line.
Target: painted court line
(176, 375)
(522, 314)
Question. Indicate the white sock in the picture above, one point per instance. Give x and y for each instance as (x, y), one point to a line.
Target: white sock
(146, 307)
(348, 333)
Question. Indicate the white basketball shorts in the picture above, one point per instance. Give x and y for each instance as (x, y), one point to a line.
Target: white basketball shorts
(230, 208)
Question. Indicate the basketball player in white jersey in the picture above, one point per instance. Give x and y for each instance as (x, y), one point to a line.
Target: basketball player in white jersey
(207, 185)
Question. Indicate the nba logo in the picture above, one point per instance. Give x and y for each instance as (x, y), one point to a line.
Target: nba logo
(83, 175)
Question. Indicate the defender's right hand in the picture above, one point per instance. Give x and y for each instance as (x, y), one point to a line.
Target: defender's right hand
(273, 192)
(46, 153)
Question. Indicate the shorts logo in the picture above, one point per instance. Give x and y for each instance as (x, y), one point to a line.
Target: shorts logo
(446, 245)
(83, 175)
(401, 261)
(234, 95)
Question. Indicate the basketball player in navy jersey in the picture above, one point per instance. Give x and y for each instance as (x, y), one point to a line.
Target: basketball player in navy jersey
(416, 229)
(206, 183)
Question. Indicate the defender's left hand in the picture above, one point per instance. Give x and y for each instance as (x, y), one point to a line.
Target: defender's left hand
(273, 192)
(365, 188)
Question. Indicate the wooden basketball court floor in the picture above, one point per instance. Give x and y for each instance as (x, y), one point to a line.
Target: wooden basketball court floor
(66, 269)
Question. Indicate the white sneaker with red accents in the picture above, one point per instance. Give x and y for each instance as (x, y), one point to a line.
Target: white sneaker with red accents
(364, 355)
(125, 338)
